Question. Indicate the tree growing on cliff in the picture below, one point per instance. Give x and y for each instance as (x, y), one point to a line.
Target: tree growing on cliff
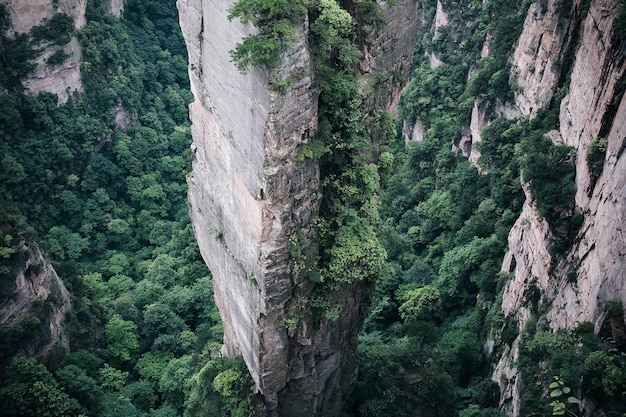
(274, 20)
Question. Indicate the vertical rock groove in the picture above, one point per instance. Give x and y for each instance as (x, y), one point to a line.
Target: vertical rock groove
(249, 192)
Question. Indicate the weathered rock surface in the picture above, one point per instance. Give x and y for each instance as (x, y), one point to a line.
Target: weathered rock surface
(388, 53)
(38, 292)
(250, 193)
(62, 79)
(579, 287)
(116, 7)
(540, 54)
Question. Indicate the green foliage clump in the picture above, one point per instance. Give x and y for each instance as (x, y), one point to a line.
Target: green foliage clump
(275, 20)
(28, 389)
(586, 367)
(549, 171)
(222, 387)
(595, 156)
(57, 30)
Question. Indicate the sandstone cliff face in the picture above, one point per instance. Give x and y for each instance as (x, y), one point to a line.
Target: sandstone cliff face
(578, 287)
(249, 193)
(38, 292)
(388, 53)
(62, 79)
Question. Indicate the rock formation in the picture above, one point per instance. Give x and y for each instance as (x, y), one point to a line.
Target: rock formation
(250, 195)
(62, 79)
(38, 303)
(577, 288)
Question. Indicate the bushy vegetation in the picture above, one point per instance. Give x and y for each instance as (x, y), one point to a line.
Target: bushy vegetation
(275, 20)
(417, 225)
(106, 201)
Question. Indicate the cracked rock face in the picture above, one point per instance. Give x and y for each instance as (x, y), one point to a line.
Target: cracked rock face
(36, 283)
(62, 79)
(250, 192)
(592, 274)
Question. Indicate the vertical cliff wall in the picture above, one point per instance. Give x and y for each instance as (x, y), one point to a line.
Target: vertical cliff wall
(250, 194)
(577, 287)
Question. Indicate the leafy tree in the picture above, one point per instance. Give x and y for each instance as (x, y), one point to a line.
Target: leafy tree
(80, 386)
(28, 389)
(421, 304)
(112, 379)
(122, 337)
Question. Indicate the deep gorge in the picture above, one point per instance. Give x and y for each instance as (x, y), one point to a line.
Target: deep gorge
(407, 208)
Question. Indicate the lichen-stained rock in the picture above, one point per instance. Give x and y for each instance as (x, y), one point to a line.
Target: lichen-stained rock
(62, 79)
(40, 295)
(253, 196)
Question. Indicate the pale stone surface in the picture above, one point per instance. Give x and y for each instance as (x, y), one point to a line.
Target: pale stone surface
(478, 121)
(434, 60)
(35, 281)
(247, 191)
(441, 17)
(116, 7)
(413, 132)
(539, 55)
(578, 288)
(62, 79)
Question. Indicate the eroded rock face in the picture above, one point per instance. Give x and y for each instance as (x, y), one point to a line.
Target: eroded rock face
(579, 287)
(250, 194)
(540, 54)
(388, 53)
(116, 7)
(38, 292)
(62, 79)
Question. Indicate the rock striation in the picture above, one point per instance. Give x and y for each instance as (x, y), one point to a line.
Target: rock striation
(576, 288)
(62, 79)
(38, 293)
(248, 192)
(252, 198)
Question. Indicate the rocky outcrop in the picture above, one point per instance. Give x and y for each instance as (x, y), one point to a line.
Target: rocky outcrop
(33, 316)
(576, 288)
(541, 54)
(60, 79)
(116, 7)
(248, 192)
(253, 201)
(388, 53)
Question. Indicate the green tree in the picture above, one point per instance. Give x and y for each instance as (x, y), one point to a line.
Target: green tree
(122, 338)
(81, 386)
(421, 304)
(28, 389)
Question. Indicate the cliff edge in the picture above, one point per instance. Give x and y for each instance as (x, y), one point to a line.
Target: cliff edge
(253, 203)
(574, 287)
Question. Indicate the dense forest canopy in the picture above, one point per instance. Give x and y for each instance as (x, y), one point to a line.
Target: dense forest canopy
(107, 204)
(425, 227)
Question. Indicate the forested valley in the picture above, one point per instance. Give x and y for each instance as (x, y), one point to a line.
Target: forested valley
(106, 202)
